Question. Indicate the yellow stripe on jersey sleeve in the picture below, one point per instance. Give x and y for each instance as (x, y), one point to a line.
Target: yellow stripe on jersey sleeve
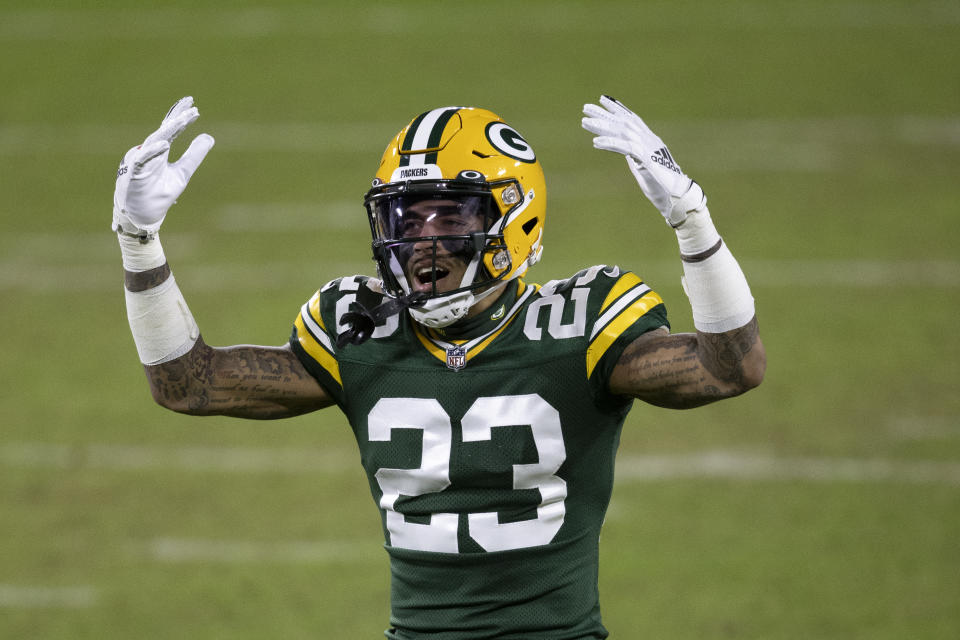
(618, 325)
(624, 284)
(314, 307)
(316, 350)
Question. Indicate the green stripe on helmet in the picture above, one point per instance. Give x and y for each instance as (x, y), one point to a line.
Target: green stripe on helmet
(434, 138)
(437, 134)
(408, 139)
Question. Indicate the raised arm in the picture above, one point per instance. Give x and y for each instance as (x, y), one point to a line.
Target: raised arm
(687, 370)
(185, 374)
(725, 357)
(245, 381)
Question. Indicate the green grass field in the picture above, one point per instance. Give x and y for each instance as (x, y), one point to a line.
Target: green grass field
(825, 504)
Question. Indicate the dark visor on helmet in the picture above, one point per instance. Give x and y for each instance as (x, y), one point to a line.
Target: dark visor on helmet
(431, 224)
(407, 216)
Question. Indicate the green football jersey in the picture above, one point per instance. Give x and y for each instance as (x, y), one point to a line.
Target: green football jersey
(489, 447)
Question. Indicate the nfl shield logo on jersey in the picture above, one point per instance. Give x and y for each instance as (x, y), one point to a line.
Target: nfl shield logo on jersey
(456, 358)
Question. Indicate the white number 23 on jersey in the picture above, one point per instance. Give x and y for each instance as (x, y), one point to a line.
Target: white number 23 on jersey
(433, 475)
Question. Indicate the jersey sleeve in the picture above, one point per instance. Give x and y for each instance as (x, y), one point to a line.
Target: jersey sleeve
(313, 340)
(629, 308)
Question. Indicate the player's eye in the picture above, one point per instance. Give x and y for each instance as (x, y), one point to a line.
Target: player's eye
(411, 227)
(452, 223)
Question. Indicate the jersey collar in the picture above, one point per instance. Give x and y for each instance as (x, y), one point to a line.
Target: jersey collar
(482, 322)
(473, 335)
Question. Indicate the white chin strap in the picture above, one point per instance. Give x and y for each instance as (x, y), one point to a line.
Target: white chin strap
(445, 310)
(442, 312)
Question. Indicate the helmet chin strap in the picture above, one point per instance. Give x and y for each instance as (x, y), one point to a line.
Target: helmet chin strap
(363, 321)
(442, 311)
(435, 312)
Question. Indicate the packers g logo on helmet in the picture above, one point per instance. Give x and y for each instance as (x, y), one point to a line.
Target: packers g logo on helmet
(505, 139)
(468, 155)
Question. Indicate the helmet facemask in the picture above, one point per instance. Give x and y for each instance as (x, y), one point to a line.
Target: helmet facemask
(430, 240)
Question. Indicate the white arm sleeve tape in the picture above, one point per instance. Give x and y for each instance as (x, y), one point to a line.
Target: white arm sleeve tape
(141, 257)
(718, 291)
(162, 325)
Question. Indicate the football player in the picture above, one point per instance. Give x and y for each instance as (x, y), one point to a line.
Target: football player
(487, 409)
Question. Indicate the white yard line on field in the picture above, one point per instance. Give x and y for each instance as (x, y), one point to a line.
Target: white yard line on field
(33, 597)
(292, 216)
(749, 466)
(220, 277)
(255, 137)
(24, 274)
(569, 17)
(51, 262)
(118, 457)
(630, 468)
(915, 427)
(184, 550)
(852, 273)
(724, 144)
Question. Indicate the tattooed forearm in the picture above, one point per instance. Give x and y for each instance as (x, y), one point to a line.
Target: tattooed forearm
(182, 384)
(688, 370)
(243, 381)
(143, 280)
(663, 363)
(723, 354)
(665, 371)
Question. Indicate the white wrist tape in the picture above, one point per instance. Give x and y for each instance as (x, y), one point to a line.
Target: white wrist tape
(696, 233)
(163, 327)
(139, 256)
(718, 291)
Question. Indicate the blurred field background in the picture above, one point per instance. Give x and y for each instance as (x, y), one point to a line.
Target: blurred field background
(825, 504)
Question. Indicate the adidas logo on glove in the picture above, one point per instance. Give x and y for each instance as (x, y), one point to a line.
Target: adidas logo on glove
(662, 157)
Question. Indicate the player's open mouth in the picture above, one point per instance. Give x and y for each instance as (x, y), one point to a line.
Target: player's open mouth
(423, 278)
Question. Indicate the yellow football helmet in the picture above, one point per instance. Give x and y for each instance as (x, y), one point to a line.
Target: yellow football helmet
(471, 161)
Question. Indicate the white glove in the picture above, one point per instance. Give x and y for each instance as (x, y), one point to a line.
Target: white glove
(660, 177)
(147, 185)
